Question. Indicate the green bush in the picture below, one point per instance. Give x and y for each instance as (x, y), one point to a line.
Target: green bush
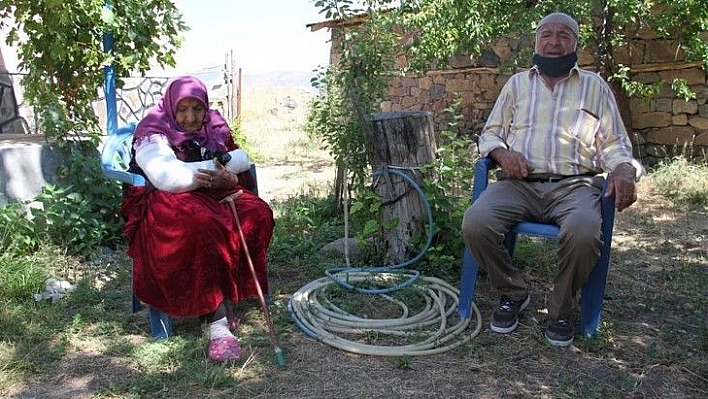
(682, 182)
(17, 234)
(449, 195)
(82, 210)
(72, 220)
(77, 215)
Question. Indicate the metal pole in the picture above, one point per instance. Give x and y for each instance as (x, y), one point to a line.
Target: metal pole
(109, 82)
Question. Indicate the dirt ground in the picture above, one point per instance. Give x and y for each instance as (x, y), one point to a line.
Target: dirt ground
(653, 345)
(651, 348)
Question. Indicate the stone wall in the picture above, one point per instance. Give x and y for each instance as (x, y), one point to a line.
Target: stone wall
(660, 128)
(668, 126)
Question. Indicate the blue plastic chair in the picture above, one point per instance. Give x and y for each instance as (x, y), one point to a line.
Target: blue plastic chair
(115, 160)
(593, 291)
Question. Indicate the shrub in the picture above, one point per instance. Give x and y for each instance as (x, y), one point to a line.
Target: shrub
(72, 220)
(17, 234)
(682, 182)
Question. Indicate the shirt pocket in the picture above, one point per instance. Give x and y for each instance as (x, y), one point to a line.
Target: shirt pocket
(585, 125)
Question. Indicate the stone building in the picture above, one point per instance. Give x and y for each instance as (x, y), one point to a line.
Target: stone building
(660, 128)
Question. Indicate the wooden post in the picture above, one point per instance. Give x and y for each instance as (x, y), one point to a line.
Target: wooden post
(405, 141)
(238, 96)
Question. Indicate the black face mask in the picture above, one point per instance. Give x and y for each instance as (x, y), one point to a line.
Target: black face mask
(555, 66)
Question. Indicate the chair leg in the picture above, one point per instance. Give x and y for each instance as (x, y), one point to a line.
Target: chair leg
(135, 306)
(160, 324)
(593, 293)
(468, 283)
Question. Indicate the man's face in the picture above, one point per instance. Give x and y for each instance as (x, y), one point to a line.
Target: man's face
(190, 114)
(555, 40)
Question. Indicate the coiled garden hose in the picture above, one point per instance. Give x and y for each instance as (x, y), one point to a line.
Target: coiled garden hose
(321, 318)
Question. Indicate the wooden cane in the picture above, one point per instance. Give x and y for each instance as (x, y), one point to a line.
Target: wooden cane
(280, 358)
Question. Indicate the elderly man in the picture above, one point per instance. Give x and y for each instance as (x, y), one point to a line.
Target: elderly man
(552, 129)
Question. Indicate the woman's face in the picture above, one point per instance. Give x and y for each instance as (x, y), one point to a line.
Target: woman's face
(190, 114)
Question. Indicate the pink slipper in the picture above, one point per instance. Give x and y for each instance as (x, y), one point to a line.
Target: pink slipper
(226, 349)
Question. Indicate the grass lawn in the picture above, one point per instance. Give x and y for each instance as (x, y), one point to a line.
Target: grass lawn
(88, 344)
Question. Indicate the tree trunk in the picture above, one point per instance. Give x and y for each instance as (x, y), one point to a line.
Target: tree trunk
(400, 142)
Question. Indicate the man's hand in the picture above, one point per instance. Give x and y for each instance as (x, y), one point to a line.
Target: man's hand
(622, 184)
(513, 164)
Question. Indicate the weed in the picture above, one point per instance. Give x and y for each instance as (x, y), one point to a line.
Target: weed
(683, 182)
(403, 362)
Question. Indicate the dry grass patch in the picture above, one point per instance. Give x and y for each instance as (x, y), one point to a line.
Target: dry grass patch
(289, 161)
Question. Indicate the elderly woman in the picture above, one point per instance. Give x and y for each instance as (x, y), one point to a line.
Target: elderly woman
(187, 254)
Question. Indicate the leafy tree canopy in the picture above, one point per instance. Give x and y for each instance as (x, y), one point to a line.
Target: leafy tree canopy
(450, 27)
(60, 49)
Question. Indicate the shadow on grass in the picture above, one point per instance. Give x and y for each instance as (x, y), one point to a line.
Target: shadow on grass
(652, 342)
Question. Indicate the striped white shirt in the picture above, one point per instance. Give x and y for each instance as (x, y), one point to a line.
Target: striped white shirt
(574, 129)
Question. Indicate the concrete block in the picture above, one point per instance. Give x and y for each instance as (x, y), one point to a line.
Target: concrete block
(27, 163)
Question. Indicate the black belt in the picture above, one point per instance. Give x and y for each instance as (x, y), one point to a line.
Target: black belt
(548, 178)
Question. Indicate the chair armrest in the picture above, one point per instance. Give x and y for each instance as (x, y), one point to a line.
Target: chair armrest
(607, 210)
(481, 176)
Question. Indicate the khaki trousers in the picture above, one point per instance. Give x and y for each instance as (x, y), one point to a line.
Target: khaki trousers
(572, 203)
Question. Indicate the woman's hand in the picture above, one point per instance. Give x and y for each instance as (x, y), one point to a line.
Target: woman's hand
(220, 178)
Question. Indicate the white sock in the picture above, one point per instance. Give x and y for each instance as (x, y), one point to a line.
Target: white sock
(219, 329)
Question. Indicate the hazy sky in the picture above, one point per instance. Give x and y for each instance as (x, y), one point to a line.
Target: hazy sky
(265, 35)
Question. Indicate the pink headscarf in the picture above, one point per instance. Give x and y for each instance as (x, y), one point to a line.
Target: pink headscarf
(160, 119)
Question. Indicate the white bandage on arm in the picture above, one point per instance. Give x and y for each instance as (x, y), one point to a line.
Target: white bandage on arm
(157, 159)
(239, 162)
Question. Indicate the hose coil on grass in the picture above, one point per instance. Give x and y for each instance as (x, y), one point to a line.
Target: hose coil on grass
(328, 322)
(429, 329)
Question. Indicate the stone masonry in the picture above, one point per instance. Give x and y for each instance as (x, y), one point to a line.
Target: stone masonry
(660, 128)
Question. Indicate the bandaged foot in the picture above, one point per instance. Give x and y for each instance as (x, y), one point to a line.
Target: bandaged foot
(223, 345)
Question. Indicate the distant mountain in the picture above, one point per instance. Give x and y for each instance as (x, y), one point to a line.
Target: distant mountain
(279, 79)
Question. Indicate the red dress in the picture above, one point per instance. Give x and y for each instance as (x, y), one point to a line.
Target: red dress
(186, 250)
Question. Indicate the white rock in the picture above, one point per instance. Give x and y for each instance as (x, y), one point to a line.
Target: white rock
(65, 286)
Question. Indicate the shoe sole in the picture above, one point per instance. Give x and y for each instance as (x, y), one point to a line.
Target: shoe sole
(506, 330)
(556, 342)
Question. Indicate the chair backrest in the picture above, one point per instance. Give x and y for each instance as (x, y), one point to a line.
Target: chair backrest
(115, 156)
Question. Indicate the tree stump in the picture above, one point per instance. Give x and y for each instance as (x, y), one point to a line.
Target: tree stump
(400, 141)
